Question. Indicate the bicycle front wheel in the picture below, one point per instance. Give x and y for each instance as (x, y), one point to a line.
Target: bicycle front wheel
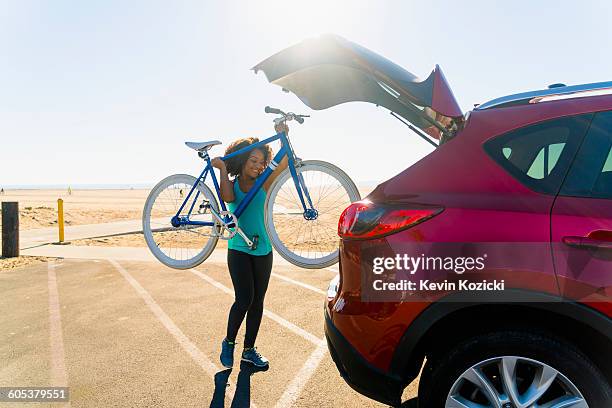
(309, 240)
(186, 246)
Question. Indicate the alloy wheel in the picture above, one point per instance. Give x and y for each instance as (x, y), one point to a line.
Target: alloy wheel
(513, 382)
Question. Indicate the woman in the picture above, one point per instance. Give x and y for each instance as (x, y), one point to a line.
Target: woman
(249, 268)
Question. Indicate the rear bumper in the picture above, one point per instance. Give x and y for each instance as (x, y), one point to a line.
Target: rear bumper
(357, 372)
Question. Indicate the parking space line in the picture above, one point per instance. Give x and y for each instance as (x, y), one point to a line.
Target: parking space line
(194, 352)
(294, 389)
(285, 323)
(298, 283)
(59, 377)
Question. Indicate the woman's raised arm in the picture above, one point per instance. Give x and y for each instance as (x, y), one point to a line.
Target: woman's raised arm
(225, 185)
(279, 169)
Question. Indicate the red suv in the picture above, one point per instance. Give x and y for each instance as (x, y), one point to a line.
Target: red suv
(487, 265)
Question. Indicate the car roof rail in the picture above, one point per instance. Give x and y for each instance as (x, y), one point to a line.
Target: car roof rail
(557, 90)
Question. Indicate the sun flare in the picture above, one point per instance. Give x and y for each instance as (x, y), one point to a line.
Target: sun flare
(297, 20)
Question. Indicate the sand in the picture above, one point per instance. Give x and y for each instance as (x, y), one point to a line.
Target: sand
(21, 262)
(38, 208)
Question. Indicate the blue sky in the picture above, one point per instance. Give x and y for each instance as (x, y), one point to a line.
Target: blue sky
(107, 92)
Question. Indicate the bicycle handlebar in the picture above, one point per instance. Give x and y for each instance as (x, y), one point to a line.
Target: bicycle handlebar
(276, 111)
(285, 117)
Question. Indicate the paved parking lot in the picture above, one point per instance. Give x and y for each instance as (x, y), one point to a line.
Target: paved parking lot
(132, 333)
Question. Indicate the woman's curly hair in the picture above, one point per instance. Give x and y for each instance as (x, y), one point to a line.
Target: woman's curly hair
(234, 164)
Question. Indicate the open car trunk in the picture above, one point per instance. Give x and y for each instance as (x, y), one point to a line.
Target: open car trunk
(329, 70)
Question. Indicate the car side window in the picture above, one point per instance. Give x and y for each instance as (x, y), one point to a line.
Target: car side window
(545, 161)
(540, 155)
(591, 173)
(608, 164)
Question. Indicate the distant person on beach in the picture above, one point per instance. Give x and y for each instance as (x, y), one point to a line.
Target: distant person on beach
(249, 269)
(2, 191)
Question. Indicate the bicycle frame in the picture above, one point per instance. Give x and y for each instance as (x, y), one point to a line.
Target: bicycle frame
(285, 150)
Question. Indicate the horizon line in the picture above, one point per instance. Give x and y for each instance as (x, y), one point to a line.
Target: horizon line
(111, 186)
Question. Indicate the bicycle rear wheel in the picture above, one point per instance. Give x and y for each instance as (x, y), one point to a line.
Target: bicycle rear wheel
(309, 243)
(186, 246)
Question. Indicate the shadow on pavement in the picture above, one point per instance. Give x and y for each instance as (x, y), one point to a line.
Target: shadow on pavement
(242, 395)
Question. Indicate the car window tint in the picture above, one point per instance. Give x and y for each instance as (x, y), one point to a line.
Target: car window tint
(548, 155)
(591, 173)
(603, 185)
(539, 155)
(608, 164)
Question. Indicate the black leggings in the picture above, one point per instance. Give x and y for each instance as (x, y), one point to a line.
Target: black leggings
(250, 276)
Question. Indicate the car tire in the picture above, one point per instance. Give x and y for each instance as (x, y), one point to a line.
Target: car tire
(453, 369)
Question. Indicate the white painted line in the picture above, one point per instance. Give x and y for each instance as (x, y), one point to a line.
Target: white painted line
(294, 389)
(298, 283)
(59, 378)
(187, 345)
(177, 333)
(285, 323)
(296, 329)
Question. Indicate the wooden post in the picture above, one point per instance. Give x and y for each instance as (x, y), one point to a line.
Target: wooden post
(10, 229)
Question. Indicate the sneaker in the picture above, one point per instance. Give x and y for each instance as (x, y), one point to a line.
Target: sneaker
(251, 355)
(227, 353)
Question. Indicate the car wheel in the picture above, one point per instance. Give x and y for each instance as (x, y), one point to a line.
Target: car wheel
(513, 369)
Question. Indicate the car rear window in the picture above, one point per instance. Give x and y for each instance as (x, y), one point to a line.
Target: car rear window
(539, 155)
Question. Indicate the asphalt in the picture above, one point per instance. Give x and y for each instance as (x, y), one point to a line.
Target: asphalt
(122, 253)
(136, 333)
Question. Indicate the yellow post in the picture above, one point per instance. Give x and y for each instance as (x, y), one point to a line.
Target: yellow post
(60, 219)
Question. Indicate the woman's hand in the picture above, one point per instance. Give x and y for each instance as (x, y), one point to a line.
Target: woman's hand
(281, 127)
(218, 163)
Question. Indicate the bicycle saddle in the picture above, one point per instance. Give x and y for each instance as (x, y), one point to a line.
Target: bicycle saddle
(202, 146)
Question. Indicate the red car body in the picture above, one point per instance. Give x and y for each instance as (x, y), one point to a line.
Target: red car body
(379, 347)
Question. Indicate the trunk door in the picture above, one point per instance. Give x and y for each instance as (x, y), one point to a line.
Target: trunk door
(329, 70)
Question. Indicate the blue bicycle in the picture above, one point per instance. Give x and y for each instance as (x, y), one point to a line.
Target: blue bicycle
(183, 220)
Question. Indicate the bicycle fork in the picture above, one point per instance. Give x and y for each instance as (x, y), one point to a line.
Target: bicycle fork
(310, 213)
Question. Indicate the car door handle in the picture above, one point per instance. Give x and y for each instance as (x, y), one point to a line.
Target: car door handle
(587, 243)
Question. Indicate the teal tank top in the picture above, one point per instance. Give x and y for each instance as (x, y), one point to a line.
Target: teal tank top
(251, 222)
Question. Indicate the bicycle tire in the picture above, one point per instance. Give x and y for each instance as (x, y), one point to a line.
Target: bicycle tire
(323, 254)
(168, 206)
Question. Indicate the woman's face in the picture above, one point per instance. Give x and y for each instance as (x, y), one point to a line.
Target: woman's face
(254, 165)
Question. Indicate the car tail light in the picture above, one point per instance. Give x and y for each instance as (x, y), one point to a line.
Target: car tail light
(365, 219)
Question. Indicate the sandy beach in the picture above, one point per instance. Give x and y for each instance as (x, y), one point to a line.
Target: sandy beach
(38, 208)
